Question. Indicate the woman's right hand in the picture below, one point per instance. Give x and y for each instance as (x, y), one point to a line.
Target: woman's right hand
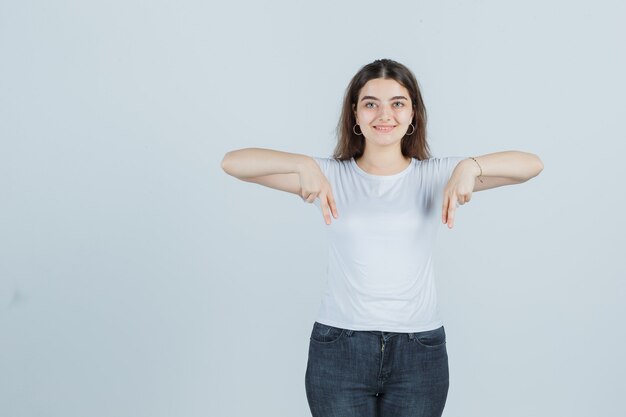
(285, 171)
(314, 184)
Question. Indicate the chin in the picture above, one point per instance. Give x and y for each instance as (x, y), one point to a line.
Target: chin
(386, 141)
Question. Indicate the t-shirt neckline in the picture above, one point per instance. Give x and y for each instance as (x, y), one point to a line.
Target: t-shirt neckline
(361, 172)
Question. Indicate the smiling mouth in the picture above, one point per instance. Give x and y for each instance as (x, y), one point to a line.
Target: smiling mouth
(384, 129)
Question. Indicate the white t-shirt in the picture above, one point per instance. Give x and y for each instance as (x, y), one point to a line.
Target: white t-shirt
(380, 264)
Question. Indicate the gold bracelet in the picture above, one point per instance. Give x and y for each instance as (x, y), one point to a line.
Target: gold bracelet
(481, 168)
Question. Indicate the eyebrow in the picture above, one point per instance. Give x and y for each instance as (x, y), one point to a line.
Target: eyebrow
(392, 98)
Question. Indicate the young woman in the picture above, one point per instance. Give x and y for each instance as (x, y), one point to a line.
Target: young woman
(378, 346)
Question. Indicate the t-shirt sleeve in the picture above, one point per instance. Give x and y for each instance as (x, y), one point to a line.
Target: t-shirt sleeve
(448, 165)
(323, 163)
(445, 166)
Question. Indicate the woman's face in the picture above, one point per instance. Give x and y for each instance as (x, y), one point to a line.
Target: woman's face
(383, 111)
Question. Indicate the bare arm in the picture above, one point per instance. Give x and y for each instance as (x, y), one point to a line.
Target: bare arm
(256, 162)
(290, 172)
(504, 168)
(498, 169)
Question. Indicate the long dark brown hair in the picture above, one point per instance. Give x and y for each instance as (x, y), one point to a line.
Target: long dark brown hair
(350, 145)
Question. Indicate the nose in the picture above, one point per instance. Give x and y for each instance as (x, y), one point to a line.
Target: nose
(384, 113)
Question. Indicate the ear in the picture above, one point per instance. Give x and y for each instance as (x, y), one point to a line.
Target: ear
(354, 112)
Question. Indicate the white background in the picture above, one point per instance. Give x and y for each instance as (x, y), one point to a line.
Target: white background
(138, 279)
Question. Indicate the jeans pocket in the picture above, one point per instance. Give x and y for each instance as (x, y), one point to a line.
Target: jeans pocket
(431, 338)
(323, 333)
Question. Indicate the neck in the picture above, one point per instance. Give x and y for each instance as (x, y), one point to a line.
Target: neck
(383, 161)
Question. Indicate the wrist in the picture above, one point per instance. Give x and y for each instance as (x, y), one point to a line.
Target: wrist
(304, 163)
(477, 168)
(471, 166)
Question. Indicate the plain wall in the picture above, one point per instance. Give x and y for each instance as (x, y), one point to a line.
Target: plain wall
(138, 279)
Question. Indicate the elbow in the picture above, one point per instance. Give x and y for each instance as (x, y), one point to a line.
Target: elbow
(534, 168)
(226, 163)
(538, 166)
(232, 164)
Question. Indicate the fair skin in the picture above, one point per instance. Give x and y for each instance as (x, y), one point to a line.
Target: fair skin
(383, 112)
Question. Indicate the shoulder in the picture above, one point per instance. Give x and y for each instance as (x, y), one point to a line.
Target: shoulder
(439, 168)
(328, 160)
(442, 160)
(329, 164)
(438, 163)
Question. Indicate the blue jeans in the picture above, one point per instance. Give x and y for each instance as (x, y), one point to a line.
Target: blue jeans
(354, 373)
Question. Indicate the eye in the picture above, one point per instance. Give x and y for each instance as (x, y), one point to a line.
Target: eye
(398, 104)
(370, 105)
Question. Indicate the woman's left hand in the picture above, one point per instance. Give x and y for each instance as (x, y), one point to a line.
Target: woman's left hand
(458, 191)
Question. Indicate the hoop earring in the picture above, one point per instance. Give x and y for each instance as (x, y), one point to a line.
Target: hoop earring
(412, 131)
(354, 131)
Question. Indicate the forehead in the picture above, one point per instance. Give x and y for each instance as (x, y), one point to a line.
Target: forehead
(383, 88)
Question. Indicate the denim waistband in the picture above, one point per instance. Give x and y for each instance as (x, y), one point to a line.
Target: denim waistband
(384, 335)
